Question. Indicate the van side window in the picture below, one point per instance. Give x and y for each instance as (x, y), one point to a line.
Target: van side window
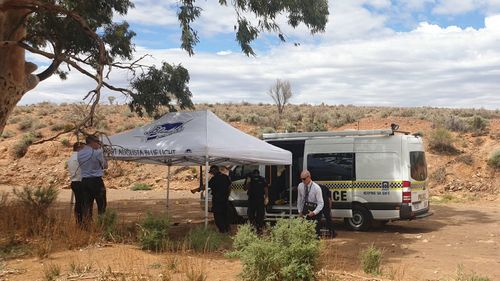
(418, 165)
(331, 166)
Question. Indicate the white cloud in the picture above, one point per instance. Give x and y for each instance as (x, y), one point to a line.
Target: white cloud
(359, 61)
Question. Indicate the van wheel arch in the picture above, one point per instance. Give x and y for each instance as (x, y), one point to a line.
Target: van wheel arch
(361, 219)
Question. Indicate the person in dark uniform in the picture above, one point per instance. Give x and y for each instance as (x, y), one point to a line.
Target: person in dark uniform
(327, 209)
(257, 190)
(220, 185)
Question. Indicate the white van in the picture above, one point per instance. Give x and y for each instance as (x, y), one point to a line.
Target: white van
(373, 175)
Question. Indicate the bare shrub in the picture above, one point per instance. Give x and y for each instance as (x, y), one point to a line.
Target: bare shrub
(36, 200)
(466, 159)
(439, 175)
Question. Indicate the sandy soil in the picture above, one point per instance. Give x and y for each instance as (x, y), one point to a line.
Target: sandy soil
(429, 249)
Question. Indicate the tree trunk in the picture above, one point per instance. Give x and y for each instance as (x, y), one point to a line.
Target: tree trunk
(15, 72)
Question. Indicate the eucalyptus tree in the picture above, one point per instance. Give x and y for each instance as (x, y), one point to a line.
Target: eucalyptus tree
(82, 35)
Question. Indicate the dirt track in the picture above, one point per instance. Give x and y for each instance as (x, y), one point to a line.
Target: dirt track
(429, 249)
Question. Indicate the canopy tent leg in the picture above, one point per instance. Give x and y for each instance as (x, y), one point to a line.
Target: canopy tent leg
(168, 185)
(290, 189)
(206, 193)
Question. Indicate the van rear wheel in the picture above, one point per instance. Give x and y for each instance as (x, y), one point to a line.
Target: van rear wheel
(361, 219)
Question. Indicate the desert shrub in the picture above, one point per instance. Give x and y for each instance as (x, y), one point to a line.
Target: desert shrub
(141, 186)
(441, 140)
(466, 159)
(456, 124)
(25, 124)
(66, 142)
(51, 272)
(127, 126)
(36, 200)
(107, 223)
(288, 253)
(494, 160)
(58, 127)
(478, 124)
(234, 118)
(7, 134)
(153, 232)
(20, 148)
(290, 128)
(439, 175)
(472, 276)
(252, 118)
(206, 240)
(371, 258)
(268, 130)
(196, 274)
(14, 119)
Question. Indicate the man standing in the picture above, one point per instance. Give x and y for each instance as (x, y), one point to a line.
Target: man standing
(327, 209)
(76, 181)
(310, 200)
(220, 186)
(257, 190)
(92, 163)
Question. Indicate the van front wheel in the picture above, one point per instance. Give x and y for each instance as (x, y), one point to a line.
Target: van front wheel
(361, 219)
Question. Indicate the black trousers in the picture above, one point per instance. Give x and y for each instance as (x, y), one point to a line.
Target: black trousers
(256, 212)
(77, 188)
(327, 212)
(94, 190)
(316, 219)
(220, 209)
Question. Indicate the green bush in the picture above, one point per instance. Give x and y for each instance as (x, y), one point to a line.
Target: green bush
(441, 140)
(371, 258)
(107, 223)
(141, 186)
(153, 232)
(456, 124)
(288, 253)
(206, 240)
(494, 160)
(37, 199)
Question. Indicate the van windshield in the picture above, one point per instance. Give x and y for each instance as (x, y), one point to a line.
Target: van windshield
(418, 165)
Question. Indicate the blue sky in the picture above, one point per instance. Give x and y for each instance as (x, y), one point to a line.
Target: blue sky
(442, 53)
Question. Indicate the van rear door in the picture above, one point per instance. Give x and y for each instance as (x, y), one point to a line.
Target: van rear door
(418, 173)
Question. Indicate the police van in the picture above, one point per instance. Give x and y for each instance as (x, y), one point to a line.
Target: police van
(373, 175)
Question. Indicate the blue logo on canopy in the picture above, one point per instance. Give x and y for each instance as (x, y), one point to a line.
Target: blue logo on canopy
(163, 130)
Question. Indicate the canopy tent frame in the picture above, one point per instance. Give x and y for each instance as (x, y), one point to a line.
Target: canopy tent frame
(190, 139)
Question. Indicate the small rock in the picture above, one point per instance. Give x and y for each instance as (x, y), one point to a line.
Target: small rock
(425, 240)
(418, 236)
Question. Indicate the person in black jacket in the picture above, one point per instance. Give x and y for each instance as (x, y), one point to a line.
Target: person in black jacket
(220, 185)
(327, 209)
(257, 190)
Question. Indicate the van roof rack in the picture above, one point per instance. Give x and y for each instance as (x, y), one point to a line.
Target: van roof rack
(309, 135)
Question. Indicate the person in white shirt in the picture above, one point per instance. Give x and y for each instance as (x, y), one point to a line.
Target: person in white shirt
(310, 199)
(76, 181)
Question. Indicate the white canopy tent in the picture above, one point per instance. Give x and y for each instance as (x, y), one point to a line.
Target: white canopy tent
(193, 138)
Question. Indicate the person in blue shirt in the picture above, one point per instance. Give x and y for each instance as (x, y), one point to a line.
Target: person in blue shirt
(92, 164)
